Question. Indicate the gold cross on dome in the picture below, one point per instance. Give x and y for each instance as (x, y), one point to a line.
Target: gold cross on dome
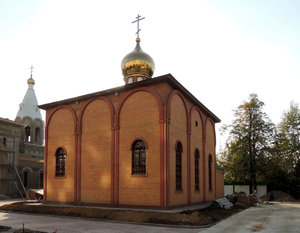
(31, 69)
(138, 19)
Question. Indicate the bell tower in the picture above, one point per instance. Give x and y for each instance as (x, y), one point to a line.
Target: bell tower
(29, 114)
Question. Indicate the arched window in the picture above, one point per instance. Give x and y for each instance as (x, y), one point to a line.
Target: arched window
(41, 179)
(27, 134)
(37, 134)
(60, 162)
(138, 157)
(197, 156)
(178, 167)
(210, 173)
(25, 179)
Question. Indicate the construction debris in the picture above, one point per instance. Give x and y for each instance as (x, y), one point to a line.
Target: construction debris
(243, 199)
(222, 203)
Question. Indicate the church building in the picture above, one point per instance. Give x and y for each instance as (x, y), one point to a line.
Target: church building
(31, 157)
(149, 144)
(21, 148)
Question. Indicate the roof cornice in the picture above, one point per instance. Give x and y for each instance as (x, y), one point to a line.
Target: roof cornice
(8, 121)
(164, 78)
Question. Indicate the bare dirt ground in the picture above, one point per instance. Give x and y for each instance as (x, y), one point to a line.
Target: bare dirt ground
(202, 217)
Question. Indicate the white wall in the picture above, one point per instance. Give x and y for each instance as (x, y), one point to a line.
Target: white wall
(261, 190)
(230, 189)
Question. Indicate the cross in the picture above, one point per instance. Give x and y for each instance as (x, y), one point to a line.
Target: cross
(138, 19)
(31, 69)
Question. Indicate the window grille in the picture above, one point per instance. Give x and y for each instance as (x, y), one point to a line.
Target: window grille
(197, 156)
(138, 157)
(210, 172)
(60, 162)
(178, 167)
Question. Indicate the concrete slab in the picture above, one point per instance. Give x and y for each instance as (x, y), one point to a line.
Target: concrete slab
(277, 217)
(78, 225)
(271, 218)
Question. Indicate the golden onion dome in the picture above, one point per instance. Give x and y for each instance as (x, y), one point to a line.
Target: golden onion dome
(137, 65)
(30, 81)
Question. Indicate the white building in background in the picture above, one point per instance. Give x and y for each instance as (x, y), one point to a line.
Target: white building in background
(21, 147)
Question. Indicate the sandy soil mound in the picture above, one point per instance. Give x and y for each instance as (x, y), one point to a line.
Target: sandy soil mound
(278, 196)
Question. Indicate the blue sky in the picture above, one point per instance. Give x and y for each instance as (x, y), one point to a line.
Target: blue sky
(221, 51)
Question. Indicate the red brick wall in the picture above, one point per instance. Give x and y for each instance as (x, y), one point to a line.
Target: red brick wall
(61, 134)
(139, 119)
(105, 133)
(196, 142)
(178, 132)
(210, 150)
(96, 145)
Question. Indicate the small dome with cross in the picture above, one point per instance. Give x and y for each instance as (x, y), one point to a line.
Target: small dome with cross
(137, 65)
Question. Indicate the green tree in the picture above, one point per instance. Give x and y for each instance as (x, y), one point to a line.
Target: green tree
(249, 143)
(289, 129)
(287, 151)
